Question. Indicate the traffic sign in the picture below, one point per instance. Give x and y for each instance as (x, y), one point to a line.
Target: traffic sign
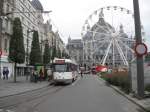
(140, 49)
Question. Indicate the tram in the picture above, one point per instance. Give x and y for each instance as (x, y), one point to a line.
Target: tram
(64, 70)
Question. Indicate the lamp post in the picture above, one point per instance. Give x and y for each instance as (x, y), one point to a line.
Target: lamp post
(140, 67)
(41, 43)
(27, 52)
(1, 13)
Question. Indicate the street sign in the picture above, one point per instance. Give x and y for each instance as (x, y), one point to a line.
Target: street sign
(140, 49)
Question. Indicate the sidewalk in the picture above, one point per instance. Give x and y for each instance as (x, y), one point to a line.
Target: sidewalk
(143, 103)
(8, 87)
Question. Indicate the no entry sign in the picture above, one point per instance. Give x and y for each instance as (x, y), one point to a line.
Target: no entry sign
(140, 49)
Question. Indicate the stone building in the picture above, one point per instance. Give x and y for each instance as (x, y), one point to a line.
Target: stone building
(93, 54)
(30, 14)
(5, 34)
(75, 49)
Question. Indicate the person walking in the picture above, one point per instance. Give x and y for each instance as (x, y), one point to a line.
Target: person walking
(35, 74)
(6, 73)
(82, 73)
(41, 75)
(49, 74)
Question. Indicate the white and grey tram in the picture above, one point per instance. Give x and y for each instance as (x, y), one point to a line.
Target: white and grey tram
(64, 70)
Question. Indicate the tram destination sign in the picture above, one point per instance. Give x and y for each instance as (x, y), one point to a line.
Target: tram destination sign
(60, 61)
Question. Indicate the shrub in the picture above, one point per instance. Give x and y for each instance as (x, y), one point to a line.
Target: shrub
(118, 78)
(147, 88)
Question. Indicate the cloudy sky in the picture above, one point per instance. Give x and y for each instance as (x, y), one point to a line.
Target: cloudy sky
(70, 15)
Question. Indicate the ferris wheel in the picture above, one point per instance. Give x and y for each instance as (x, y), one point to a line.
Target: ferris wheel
(108, 36)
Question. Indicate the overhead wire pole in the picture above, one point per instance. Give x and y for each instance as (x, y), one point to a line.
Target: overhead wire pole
(27, 51)
(1, 14)
(113, 54)
(140, 67)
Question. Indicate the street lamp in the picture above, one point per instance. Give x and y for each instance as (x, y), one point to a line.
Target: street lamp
(27, 51)
(0, 63)
(1, 13)
(140, 67)
(43, 42)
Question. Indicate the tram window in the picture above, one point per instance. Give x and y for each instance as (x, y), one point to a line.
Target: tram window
(60, 68)
(69, 67)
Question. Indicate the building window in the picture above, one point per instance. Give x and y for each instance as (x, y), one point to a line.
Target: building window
(23, 9)
(7, 8)
(32, 27)
(75, 57)
(11, 1)
(12, 9)
(28, 24)
(8, 1)
(7, 24)
(28, 14)
(29, 7)
(39, 16)
(22, 19)
(22, 29)
(24, 1)
(5, 45)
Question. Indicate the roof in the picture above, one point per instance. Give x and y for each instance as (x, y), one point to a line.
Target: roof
(37, 5)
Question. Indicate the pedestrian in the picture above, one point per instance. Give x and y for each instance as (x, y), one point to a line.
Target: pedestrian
(49, 74)
(32, 75)
(41, 75)
(35, 74)
(6, 73)
(81, 73)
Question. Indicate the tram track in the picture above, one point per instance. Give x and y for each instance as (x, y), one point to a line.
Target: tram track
(16, 100)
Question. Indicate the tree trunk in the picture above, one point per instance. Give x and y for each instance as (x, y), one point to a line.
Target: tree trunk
(15, 72)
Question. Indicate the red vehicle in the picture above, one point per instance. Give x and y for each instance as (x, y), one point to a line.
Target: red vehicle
(101, 68)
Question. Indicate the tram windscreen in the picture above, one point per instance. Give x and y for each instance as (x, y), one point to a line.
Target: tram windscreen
(60, 68)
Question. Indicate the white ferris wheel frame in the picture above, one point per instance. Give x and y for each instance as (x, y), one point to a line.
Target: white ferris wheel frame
(113, 41)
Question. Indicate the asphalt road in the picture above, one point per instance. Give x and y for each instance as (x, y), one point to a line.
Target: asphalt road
(87, 94)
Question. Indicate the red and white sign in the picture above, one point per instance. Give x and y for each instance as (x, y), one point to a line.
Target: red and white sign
(140, 49)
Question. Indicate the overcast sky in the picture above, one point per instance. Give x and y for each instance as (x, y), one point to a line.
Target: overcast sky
(70, 15)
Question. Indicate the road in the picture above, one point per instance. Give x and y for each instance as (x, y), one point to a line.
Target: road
(87, 94)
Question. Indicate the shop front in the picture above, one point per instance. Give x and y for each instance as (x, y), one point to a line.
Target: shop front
(5, 64)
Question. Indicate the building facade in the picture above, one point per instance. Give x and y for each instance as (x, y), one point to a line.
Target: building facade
(30, 14)
(75, 49)
(5, 34)
(94, 54)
